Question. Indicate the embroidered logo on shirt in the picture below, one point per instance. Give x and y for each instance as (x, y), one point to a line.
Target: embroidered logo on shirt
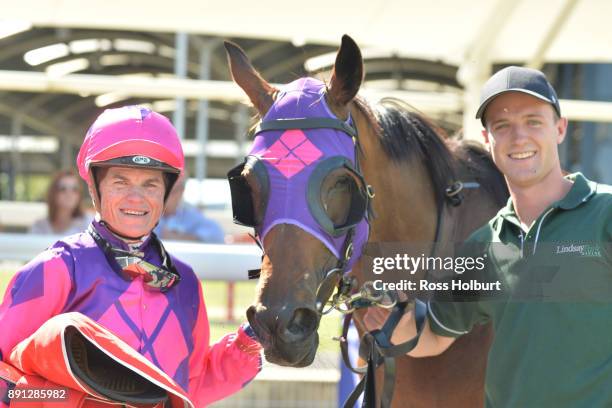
(583, 250)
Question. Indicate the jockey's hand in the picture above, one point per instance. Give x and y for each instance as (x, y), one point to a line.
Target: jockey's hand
(405, 330)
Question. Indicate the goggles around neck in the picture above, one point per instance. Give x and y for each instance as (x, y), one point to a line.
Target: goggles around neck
(130, 265)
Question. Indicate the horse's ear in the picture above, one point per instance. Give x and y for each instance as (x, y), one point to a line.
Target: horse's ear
(257, 89)
(348, 73)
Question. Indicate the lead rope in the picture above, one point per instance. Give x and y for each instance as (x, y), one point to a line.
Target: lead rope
(382, 352)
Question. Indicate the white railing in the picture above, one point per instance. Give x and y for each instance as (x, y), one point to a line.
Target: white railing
(209, 261)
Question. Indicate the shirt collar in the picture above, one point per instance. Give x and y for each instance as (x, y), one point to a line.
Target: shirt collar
(581, 191)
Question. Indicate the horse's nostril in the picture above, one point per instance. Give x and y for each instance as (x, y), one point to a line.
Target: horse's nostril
(250, 313)
(260, 330)
(302, 324)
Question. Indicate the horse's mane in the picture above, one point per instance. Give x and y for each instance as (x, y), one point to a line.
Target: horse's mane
(480, 165)
(407, 135)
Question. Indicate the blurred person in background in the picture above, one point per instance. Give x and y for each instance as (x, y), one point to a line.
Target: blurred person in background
(184, 222)
(65, 213)
(116, 282)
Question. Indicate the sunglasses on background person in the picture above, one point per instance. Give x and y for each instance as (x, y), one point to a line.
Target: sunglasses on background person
(62, 188)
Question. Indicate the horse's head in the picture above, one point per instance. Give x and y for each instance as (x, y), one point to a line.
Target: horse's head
(301, 189)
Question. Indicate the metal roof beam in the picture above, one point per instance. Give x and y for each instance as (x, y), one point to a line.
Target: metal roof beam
(537, 60)
(476, 66)
(30, 120)
(145, 87)
(226, 91)
(193, 89)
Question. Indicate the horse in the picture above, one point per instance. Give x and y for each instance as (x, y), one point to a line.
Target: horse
(408, 165)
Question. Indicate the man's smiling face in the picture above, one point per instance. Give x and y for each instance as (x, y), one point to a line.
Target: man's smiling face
(132, 200)
(523, 133)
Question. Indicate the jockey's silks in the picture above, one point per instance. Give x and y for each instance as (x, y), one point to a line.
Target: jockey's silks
(170, 329)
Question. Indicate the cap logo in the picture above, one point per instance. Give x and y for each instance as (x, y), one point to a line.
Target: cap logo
(141, 160)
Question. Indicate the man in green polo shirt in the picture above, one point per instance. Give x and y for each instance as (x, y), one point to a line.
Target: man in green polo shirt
(550, 248)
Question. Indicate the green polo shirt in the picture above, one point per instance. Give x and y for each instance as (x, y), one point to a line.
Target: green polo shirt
(553, 334)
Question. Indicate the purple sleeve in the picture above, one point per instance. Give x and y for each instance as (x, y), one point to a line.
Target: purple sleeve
(37, 292)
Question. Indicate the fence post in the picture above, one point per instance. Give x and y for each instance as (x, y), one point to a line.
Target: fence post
(230, 301)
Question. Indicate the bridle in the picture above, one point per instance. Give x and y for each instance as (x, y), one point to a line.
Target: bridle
(333, 277)
(347, 297)
(345, 300)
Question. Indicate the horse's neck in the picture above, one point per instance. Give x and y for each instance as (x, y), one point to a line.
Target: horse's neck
(406, 209)
(404, 205)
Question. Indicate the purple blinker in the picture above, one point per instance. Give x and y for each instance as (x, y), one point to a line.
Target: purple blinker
(291, 156)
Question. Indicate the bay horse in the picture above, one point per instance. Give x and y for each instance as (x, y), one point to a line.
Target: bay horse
(409, 165)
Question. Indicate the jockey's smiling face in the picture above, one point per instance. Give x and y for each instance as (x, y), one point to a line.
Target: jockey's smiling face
(132, 200)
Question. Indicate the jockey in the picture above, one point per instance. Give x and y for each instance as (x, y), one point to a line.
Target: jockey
(118, 273)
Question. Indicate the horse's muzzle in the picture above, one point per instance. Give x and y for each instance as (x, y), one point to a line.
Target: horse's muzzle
(288, 335)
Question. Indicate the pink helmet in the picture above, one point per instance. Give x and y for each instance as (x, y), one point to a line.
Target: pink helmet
(131, 136)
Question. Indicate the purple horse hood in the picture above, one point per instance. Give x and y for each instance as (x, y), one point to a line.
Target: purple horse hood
(297, 160)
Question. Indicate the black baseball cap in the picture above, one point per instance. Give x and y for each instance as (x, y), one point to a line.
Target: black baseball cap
(517, 79)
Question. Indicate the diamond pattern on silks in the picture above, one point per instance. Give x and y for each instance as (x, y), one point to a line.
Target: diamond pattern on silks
(292, 152)
(142, 329)
(31, 286)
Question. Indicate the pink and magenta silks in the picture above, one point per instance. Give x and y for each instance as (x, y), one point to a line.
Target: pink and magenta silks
(81, 273)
